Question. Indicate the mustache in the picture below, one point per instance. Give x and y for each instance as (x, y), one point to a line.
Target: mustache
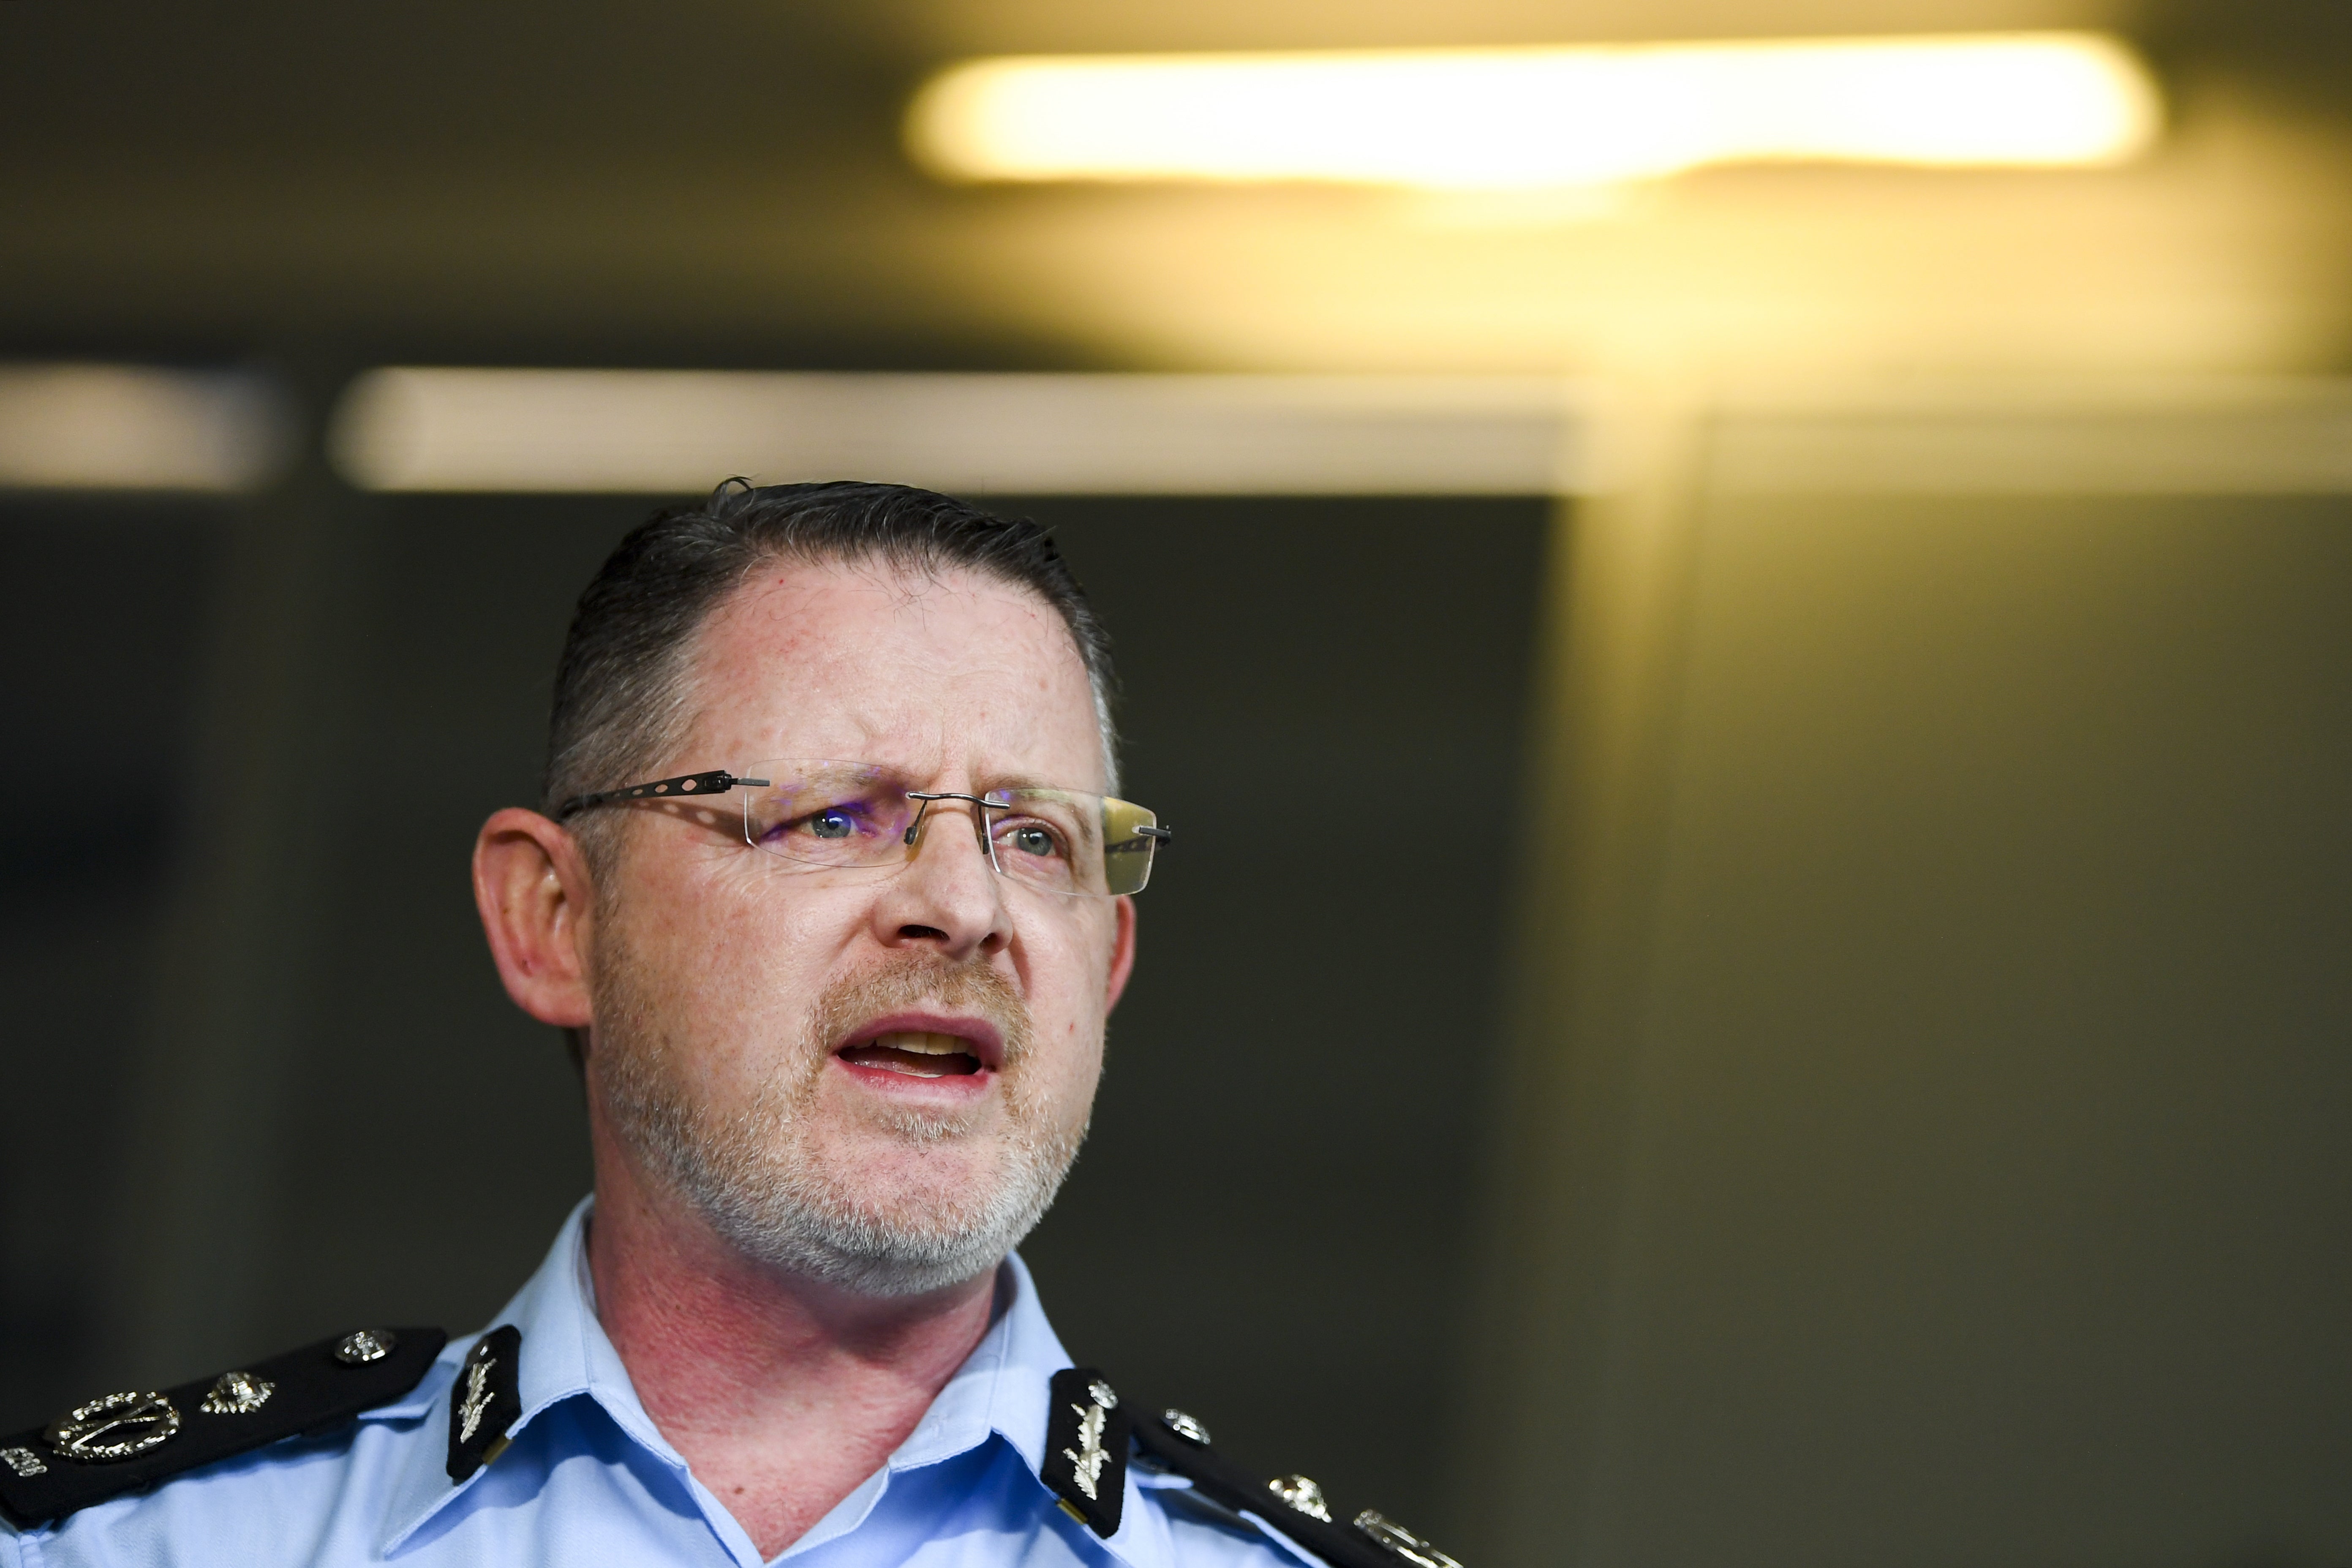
(922, 980)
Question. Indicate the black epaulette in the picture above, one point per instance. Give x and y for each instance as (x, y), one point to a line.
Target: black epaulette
(1088, 1438)
(126, 1442)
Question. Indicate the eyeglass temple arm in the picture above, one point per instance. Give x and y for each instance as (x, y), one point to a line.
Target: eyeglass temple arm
(718, 780)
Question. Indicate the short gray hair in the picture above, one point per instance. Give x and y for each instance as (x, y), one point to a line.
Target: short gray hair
(621, 702)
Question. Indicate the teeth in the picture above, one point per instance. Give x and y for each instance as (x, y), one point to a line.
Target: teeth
(923, 1044)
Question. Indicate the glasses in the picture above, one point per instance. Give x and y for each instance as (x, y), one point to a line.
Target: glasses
(825, 813)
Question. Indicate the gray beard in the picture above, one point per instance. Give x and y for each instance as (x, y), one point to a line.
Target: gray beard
(757, 1180)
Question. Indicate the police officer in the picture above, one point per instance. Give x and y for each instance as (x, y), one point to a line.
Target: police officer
(833, 892)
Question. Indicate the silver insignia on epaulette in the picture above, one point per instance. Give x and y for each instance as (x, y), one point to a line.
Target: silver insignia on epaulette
(363, 1345)
(1184, 1427)
(114, 1426)
(479, 1394)
(237, 1393)
(1402, 1541)
(24, 1461)
(1302, 1494)
(1086, 1461)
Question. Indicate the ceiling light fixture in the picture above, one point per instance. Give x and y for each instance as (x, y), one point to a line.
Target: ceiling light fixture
(428, 429)
(138, 427)
(1520, 118)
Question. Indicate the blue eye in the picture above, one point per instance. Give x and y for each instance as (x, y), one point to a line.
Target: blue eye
(1033, 840)
(832, 825)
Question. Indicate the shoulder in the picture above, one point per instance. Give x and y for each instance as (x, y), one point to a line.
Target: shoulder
(164, 1470)
(1213, 1509)
(1292, 1509)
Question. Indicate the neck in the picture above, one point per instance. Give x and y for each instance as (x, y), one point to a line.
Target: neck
(782, 1393)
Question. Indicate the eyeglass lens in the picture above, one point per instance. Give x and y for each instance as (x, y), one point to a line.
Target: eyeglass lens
(828, 813)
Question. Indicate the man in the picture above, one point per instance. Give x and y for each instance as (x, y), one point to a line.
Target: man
(833, 892)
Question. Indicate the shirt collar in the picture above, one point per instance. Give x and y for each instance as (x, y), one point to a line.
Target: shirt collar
(1002, 1390)
(564, 1353)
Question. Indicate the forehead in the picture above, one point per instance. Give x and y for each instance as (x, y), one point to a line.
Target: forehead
(865, 660)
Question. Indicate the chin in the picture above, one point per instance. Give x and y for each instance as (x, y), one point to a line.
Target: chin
(882, 1175)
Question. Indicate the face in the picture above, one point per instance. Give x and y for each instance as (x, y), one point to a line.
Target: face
(877, 1077)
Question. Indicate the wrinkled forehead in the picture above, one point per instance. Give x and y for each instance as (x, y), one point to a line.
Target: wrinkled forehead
(954, 670)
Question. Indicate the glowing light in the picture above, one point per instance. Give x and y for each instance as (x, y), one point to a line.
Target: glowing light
(680, 432)
(1492, 119)
(107, 426)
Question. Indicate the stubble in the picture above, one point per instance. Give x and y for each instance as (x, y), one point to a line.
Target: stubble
(789, 1191)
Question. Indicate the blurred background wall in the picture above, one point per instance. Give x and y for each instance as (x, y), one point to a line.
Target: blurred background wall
(1831, 1044)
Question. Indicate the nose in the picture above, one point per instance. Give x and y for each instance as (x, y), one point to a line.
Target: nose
(949, 897)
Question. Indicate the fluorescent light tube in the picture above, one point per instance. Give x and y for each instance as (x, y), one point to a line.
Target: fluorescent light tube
(133, 427)
(1516, 118)
(421, 428)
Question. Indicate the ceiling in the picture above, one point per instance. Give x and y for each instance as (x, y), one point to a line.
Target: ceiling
(720, 181)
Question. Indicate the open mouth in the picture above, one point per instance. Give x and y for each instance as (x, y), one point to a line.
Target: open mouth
(916, 1052)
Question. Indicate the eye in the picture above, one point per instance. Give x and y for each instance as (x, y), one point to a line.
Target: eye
(827, 825)
(1033, 839)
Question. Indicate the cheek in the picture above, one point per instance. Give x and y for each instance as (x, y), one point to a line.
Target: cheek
(1065, 1007)
(1059, 1089)
(1068, 956)
(735, 973)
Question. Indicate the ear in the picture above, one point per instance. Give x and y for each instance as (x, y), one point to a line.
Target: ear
(533, 888)
(1122, 953)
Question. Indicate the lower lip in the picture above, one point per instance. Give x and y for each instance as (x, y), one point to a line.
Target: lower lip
(948, 1086)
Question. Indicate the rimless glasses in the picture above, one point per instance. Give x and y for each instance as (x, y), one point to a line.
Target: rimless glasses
(828, 813)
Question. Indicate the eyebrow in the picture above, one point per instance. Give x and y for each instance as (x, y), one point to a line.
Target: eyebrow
(1028, 780)
(894, 775)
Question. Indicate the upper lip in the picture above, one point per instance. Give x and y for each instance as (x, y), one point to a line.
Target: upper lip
(979, 1034)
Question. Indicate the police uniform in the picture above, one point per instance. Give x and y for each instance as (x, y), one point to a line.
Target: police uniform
(526, 1445)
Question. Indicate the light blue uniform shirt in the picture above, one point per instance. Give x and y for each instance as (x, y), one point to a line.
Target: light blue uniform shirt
(587, 1478)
